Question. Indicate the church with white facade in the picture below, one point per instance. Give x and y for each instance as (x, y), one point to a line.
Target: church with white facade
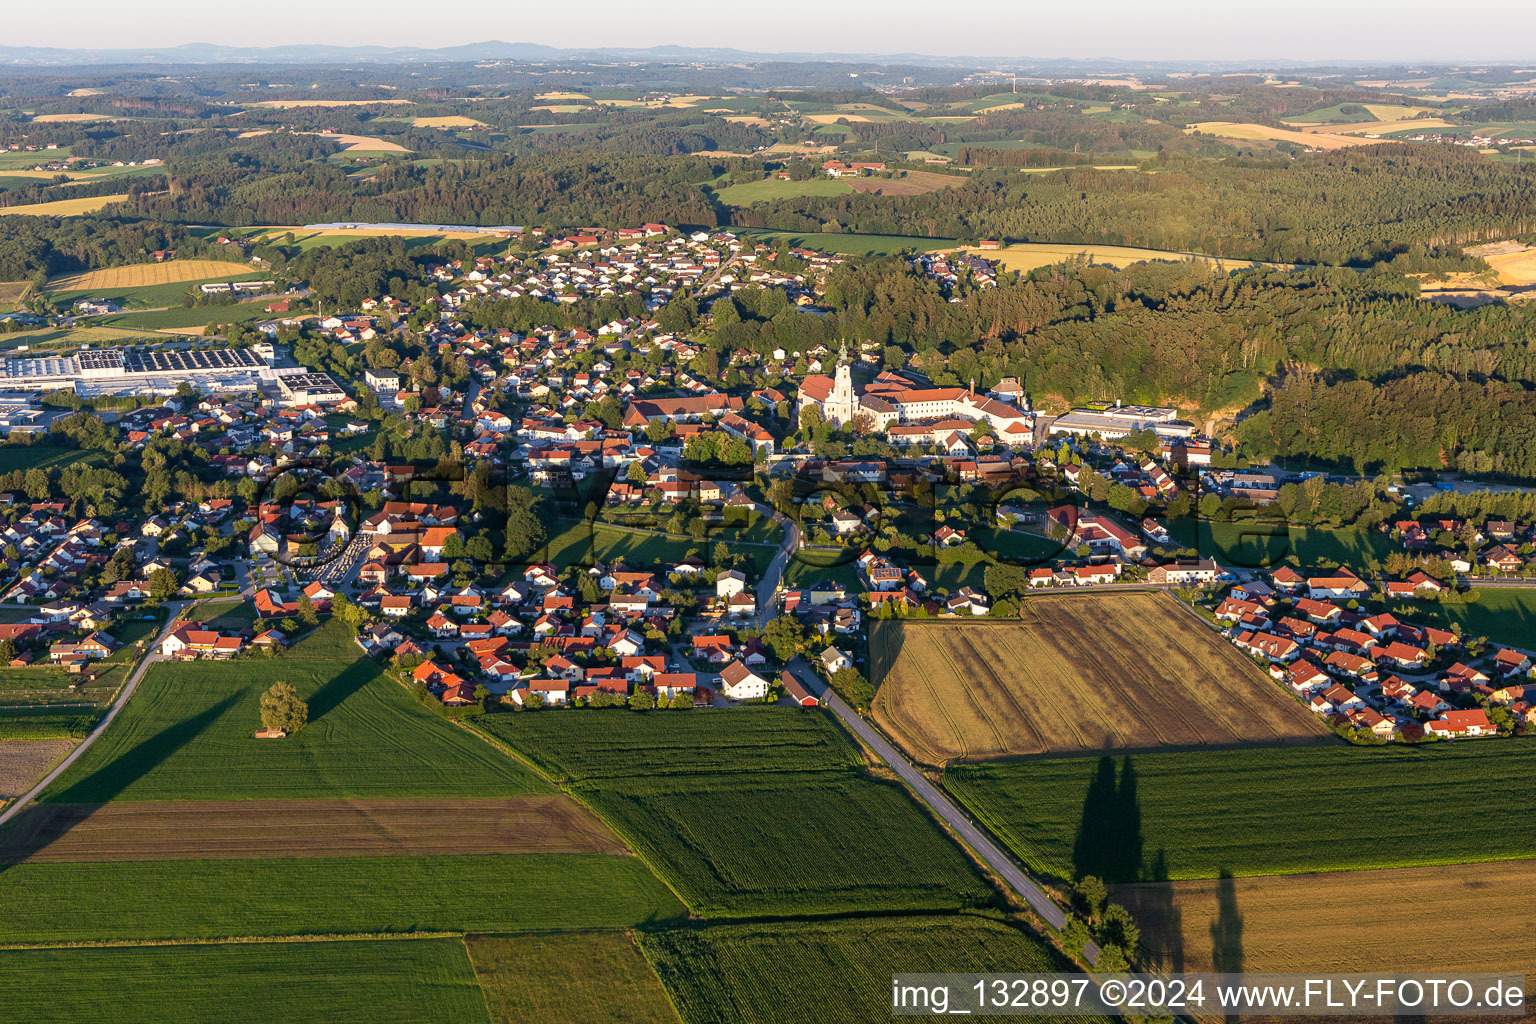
(896, 406)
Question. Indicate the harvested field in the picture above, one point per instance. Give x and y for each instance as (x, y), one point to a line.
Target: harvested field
(1025, 256)
(69, 118)
(1515, 268)
(286, 104)
(548, 96)
(142, 275)
(915, 183)
(23, 762)
(451, 121)
(1384, 127)
(12, 293)
(1261, 132)
(243, 829)
(834, 118)
(1472, 917)
(360, 142)
(1080, 673)
(62, 207)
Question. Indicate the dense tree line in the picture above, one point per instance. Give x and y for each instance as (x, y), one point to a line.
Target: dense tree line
(1351, 206)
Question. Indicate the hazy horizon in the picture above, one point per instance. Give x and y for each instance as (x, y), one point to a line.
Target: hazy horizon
(1306, 31)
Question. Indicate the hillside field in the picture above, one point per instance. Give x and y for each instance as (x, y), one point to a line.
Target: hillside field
(1260, 812)
(1078, 673)
(62, 207)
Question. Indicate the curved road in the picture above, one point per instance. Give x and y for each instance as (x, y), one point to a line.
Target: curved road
(768, 587)
(151, 655)
(941, 805)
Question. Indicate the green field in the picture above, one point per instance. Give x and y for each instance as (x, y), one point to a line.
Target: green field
(853, 245)
(217, 899)
(40, 456)
(797, 829)
(364, 982)
(188, 316)
(836, 972)
(749, 192)
(186, 735)
(580, 978)
(43, 722)
(580, 745)
(1503, 614)
(1262, 811)
(1260, 544)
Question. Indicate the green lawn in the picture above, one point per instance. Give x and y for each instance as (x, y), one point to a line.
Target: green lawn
(835, 972)
(1262, 811)
(1258, 545)
(1502, 614)
(749, 192)
(404, 981)
(752, 811)
(217, 899)
(579, 978)
(186, 735)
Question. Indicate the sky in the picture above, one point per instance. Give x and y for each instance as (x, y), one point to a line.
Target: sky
(1299, 30)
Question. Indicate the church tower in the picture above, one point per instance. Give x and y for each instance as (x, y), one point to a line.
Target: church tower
(840, 404)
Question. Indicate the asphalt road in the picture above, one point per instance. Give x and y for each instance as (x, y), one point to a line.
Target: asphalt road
(151, 655)
(941, 805)
(768, 587)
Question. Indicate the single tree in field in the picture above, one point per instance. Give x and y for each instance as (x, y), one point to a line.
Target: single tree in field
(283, 709)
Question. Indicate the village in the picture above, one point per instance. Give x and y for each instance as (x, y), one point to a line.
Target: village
(692, 538)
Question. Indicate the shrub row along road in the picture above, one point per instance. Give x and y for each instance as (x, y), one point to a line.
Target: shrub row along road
(941, 805)
(151, 655)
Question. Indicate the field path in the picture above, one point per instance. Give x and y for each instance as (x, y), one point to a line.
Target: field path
(151, 655)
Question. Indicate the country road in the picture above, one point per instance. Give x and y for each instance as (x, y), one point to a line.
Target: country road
(941, 805)
(151, 655)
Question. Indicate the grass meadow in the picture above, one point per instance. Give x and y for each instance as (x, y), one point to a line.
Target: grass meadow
(186, 735)
(767, 189)
(366, 982)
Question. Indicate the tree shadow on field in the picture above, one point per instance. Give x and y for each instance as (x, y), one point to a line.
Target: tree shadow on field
(1152, 903)
(1109, 838)
(1227, 931)
(42, 823)
(341, 686)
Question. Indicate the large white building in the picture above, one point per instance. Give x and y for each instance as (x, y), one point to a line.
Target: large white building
(134, 371)
(1116, 421)
(892, 399)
